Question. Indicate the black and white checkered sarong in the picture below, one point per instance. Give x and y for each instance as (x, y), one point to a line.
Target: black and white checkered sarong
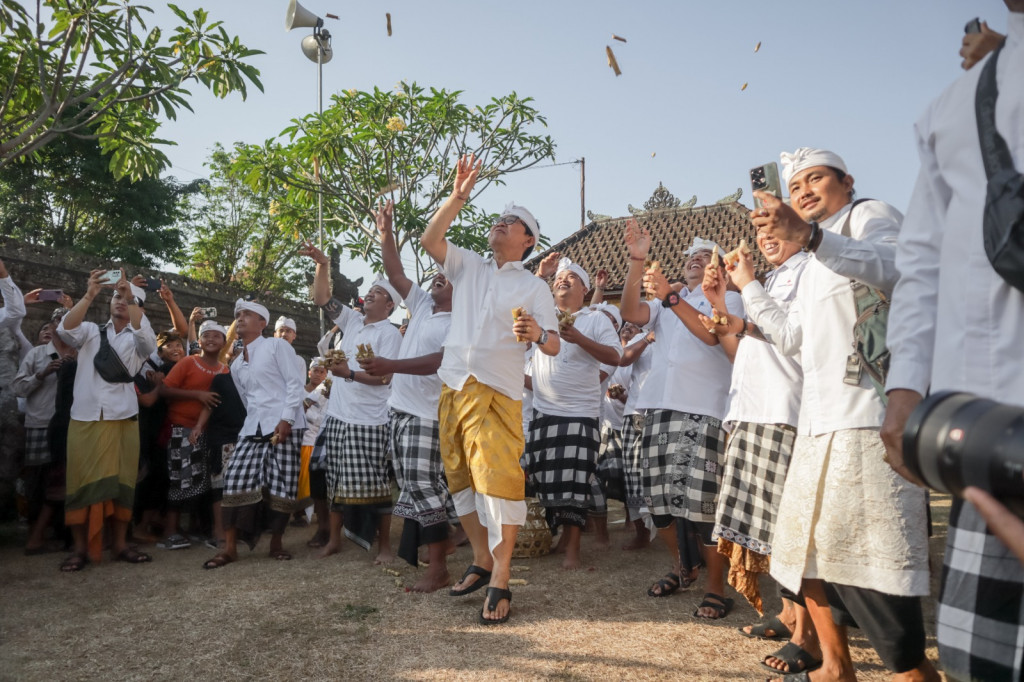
(632, 460)
(981, 604)
(416, 448)
(37, 447)
(682, 464)
(610, 467)
(756, 462)
(358, 462)
(561, 459)
(186, 467)
(256, 464)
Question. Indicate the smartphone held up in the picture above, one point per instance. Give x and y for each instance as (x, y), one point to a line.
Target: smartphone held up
(765, 179)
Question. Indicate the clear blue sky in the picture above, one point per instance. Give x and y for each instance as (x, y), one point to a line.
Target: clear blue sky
(849, 76)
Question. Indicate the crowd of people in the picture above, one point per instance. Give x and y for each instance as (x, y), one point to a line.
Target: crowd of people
(723, 409)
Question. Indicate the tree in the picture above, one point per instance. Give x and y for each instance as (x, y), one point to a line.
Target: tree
(236, 235)
(65, 196)
(92, 69)
(401, 145)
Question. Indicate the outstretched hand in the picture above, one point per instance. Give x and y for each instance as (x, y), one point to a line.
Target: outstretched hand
(638, 240)
(310, 250)
(466, 173)
(549, 265)
(975, 46)
(384, 216)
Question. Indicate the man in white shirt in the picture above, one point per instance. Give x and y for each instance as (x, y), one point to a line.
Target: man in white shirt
(845, 520)
(423, 499)
(267, 454)
(956, 325)
(561, 453)
(356, 428)
(14, 309)
(683, 398)
(103, 460)
(495, 304)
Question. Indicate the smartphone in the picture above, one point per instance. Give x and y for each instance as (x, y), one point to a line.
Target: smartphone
(766, 179)
(973, 26)
(238, 345)
(111, 277)
(153, 284)
(208, 313)
(51, 295)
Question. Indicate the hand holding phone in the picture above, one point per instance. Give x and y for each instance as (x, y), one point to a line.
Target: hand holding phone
(973, 26)
(111, 277)
(766, 179)
(51, 295)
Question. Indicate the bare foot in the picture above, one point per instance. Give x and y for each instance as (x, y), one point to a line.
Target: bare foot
(432, 581)
(640, 541)
(384, 557)
(602, 543)
(571, 562)
(329, 549)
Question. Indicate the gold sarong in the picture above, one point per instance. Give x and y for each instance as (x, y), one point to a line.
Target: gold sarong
(481, 433)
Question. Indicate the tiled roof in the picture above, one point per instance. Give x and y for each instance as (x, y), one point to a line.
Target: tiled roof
(673, 227)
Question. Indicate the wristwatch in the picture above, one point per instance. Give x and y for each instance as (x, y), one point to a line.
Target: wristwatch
(289, 422)
(543, 337)
(351, 376)
(671, 299)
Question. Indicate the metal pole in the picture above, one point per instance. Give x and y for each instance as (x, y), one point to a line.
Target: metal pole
(320, 188)
(583, 192)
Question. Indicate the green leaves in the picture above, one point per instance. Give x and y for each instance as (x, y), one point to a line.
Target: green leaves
(98, 70)
(402, 145)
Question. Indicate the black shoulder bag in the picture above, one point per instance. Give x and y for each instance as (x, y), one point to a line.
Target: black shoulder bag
(108, 363)
(1003, 224)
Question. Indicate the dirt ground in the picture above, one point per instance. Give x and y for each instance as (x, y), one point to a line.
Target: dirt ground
(343, 618)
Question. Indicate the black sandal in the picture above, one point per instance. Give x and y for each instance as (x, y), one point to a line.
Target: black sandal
(721, 605)
(495, 595)
(74, 563)
(796, 659)
(133, 556)
(485, 577)
(760, 631)
(670, 584)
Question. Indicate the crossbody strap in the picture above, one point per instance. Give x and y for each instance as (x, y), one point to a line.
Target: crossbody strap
(862, 293)
(994, 151)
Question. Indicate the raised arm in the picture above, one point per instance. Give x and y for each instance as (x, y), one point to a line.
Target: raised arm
(600, 282)
(433, 238)
(14, 303)
(74, 317)
(638, 244)
(322, 277)
(393, 269)
(181, 325)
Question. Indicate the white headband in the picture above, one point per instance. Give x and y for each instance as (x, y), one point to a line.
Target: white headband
(702, 245)
(285, 322)
(212, 326)
(242, 304)
(138, 292)
(318, 362)
(566, 264)
(808, 157)
(392, 292)
(531, 223)
(611, 310)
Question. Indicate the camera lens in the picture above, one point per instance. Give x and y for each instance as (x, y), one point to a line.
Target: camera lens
(954, 440)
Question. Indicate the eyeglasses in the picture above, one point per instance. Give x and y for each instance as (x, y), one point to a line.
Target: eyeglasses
(509, 220)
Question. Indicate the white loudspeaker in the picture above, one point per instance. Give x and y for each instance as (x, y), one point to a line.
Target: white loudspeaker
(299, 17)
(311, 45)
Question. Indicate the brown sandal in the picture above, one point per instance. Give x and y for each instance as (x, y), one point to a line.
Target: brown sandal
(133, 556)
(218, 561)
(281, 555)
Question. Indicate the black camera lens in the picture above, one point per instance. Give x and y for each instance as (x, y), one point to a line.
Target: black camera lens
(953, 440)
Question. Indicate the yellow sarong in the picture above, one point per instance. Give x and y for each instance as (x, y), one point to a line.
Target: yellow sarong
(303, 497)
(103, 463)
(481, 433)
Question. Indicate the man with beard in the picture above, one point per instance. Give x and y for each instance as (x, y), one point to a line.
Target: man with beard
(561, 455)
(497, 306)
(356, 428)
(104, 461)
(415, 392)
(847, 521)
(683, 396)
(267, 453)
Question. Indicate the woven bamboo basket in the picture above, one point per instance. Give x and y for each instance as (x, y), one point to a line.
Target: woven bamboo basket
(534, 539)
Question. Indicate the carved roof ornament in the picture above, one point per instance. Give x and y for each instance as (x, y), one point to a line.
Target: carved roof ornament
(661, 199)
(690, 203)
(597, 216)
(735, 196)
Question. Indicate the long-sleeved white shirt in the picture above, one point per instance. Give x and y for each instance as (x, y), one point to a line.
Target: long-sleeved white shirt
(95, 398)
(269, 385)
(418, 394)
(819, 324)
(954, 323)
(13, 311)
(40, 394)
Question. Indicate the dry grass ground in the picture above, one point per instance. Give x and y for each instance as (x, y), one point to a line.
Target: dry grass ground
(343, 618)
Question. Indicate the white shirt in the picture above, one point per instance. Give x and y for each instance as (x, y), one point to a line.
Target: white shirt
(95, 398)
(766, 384)
(569, 384)
(351, 401)
(640, 368)
(268, 385)
(40, 394)
(612, 409)
(687, 375)
(819, 323)
(314, 414)
(14, 304)
(481, 342)
(955, 324)
(410, 393)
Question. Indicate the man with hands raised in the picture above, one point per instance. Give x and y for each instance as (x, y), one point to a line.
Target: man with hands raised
(482, 370)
